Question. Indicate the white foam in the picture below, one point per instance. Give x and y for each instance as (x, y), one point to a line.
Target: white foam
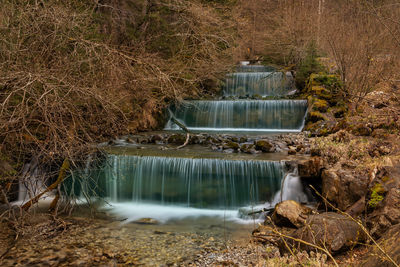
(241, 130)
(134, 211)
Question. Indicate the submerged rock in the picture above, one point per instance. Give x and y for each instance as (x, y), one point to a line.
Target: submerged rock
(290, 213)
(146, 221)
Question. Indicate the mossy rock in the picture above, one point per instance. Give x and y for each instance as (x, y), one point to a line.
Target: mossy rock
(377, 195)
(320, 105)
(339, 111)
(361, 130)
(247, 148)
(177, 139)
(264, 146)
(315, 116)
(231, 145)
(321, 92)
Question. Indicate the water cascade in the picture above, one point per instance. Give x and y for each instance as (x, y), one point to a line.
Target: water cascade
(243, 115)
(188, 182)
(258, 83)
(163, 187)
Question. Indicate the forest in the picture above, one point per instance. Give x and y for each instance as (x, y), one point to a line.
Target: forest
(199, 132)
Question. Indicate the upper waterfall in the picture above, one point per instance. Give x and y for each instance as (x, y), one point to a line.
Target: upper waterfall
(258, 83)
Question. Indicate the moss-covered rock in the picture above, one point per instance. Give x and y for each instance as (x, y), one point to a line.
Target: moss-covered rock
(361, 129)
(377, 195)
(315, 116)
(320, 105)
(264, 145)
(231, 145)
(177, 139)
(248, 148)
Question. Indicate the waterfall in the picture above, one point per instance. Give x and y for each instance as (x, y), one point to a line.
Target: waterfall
(255, 68)
(291, 189)
(190, 182)
(258, 83)
(243, 115)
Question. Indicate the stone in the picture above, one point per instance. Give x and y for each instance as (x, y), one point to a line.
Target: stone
(247, 148)
(264, 145)
(178, 139)
(336, 232)
(362, 130)
(383, 200)
(146, 221)
(389, 242)
(231, 145)
(311, 168)
(290, 213)
(156, 138)
(343, 187)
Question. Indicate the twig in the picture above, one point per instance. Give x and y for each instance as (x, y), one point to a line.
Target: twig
(359, 224)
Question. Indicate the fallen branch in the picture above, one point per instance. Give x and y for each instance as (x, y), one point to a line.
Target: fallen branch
(61, 177)
(260, 211)
(186, 141)
(183, 127)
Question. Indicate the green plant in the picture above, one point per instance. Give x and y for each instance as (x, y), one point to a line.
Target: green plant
(308, 65)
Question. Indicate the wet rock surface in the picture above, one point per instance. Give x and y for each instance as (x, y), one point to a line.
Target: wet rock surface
(94, 242)
(290, 143)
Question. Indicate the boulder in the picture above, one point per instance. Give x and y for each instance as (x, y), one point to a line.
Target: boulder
(344, 187)
(231, 145)
(247, 148)
(264, 145)
(311, 168)
(389, 242)
(177, 139)
(156, 138)
(334, 231)
(383, 200)
(290, 213)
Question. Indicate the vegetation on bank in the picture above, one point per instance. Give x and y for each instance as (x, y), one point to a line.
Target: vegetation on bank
(75, 73)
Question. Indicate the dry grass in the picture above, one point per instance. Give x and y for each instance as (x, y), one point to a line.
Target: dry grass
(74, 73)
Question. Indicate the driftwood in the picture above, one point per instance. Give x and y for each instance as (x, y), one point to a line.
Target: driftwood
(180, 124)
(260, 211)
(183, 127)
(61, 177)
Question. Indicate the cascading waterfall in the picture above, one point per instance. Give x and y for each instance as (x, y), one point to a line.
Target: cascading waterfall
(243, 115)
(258, 83)
(255, 68)
(164, 187)
(199, 183)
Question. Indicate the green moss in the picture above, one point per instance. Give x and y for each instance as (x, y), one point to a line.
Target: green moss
(320, 105)
(377, 195)
(315, 116)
